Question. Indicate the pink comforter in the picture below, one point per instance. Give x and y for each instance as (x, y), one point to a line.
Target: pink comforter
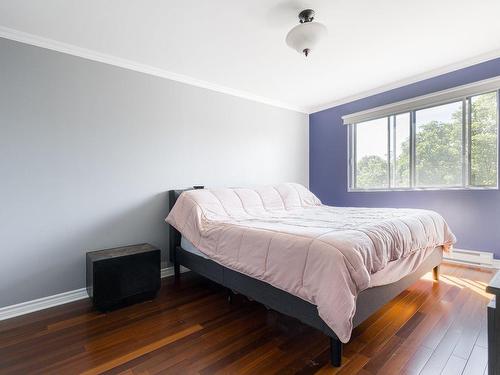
(285, 236)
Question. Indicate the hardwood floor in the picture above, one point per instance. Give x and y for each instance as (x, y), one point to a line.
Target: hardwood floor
(431, 328)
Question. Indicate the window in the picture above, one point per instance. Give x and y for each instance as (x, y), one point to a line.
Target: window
(400, 151)
(451, 145)
(483, 140)
(371, 156)
(439, 146)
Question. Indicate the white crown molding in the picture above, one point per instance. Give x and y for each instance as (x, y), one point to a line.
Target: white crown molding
(51, 44)
(27, 307)
(54, 45)
(408, 81)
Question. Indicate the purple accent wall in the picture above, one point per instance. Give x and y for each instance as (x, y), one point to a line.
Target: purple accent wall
(474, 216)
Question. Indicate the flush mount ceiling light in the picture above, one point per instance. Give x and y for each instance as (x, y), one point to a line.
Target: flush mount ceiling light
(305, 36)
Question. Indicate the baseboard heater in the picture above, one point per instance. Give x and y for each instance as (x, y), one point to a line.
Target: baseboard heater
(473, 257)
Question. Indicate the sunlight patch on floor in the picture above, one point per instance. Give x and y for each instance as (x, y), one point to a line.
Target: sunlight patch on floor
(461, 282)
(472, 285)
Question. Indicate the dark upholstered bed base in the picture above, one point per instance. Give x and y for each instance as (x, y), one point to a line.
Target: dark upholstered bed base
(368, 301)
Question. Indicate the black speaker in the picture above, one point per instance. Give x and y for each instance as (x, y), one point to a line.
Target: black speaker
(122, 276)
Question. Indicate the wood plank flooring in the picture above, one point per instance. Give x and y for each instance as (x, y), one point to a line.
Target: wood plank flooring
(190, 328)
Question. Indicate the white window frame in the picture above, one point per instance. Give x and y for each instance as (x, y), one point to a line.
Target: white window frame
(424, 104)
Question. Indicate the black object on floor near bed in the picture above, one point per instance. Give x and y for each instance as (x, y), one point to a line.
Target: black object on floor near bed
(123, 275)
(494, 327)
(368, 301)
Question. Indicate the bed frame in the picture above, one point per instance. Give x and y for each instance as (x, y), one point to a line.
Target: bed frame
(368, 301)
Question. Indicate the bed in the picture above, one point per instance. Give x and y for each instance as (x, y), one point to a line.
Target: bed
(329, 267)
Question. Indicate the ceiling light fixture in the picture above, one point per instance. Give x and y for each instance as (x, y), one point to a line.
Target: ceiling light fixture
(305, 36)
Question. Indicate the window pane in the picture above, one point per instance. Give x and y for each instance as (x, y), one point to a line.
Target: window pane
(439, 146)
(400, 150)
(483, 140)
(371, 155)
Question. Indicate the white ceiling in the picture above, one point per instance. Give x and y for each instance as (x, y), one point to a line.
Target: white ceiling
(238, 46)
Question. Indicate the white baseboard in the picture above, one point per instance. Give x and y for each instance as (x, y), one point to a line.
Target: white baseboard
(42, 303)
(75, 295)
(169, 271)
(27, 307)
(482, 259)
(495, 265)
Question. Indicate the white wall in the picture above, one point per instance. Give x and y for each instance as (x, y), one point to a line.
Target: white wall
(88, 151)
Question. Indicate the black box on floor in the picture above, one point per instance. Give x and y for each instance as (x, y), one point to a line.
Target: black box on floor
(123, 275)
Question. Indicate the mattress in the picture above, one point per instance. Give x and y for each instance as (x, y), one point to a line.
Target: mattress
(189, 247)
(390, 274)
(285, 236)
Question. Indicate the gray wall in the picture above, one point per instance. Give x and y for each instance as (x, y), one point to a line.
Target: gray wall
(88, 151)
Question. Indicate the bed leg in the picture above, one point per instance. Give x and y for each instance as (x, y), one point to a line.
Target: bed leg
(335, 352)
(435, 273)
(177, 270)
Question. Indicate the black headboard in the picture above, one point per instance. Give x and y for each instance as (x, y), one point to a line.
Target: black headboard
(174, 234)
